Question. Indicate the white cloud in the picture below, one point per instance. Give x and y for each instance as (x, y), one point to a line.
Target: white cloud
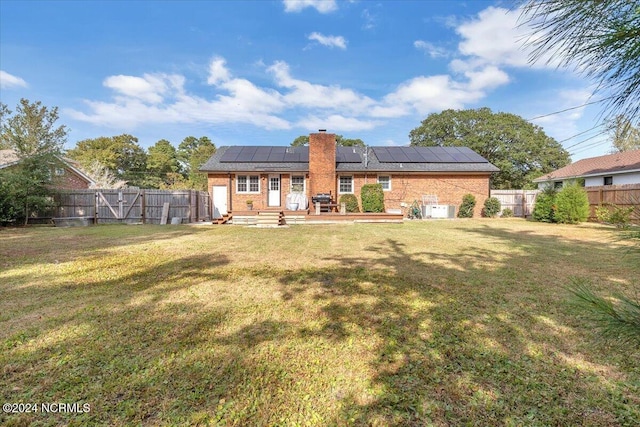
(159, 98)
(489, 43)
(218, 71)
(8, 81)
(150, 88)
(337, 122)
(426, 94)
(430, 49)
(305, 94)
(329, 41)
(496, 37)
(487, 78)
(322, 6)
(369, 20)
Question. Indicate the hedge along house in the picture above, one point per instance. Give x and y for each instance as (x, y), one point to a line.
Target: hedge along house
(266, 175)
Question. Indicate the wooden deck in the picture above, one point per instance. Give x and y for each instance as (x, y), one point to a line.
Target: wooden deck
(287, 217)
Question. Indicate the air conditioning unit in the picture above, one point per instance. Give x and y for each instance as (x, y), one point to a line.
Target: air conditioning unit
(439, 211)
(443, 211)
(452, 211)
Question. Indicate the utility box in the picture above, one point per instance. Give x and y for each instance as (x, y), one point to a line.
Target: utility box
(443, 211)
(439, 211)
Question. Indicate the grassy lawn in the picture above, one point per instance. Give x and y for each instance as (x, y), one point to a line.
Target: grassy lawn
(424, 323)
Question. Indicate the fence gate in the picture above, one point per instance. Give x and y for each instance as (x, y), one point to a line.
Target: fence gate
(521, 202)
(123, 206)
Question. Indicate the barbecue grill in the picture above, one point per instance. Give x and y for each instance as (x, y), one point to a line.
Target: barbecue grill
(322, 198)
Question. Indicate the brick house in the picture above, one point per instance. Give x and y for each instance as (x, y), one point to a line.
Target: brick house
(66, 174)
(267, 175)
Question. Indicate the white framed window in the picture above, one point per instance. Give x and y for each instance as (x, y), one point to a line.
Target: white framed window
(297, 184)
(345, 185)
(59, 171)
(385, 181)
(248, 184)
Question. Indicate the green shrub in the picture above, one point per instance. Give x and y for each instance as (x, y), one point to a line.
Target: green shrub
(351, 202)
(466, 208)
(572, 205)
(372, 198)
(507, 213)
(612, 214)
(491, 207)
(545, 207)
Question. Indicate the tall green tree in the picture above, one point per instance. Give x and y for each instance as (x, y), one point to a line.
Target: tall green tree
(340, 140)
(300, 141)
(193, 153)
(121, 154)
(598, 38)
(36, 139)
(624, 135)
(161, 160)
(520, 149)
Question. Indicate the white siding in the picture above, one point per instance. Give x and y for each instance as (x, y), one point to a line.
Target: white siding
(618, 179)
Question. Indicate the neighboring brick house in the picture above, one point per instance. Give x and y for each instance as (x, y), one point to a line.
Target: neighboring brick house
(267, 174)
(66, 174)
(612, 169)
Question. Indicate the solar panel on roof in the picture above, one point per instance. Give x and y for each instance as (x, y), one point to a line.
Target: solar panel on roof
(414, 154)
(398, 155)
(444, 156)
(277, 154)
(427, 154)
(382, 154)
(347, 155)
(262, 154)
(246, 154)
(460, 157)
(472, 155)
(231, 154)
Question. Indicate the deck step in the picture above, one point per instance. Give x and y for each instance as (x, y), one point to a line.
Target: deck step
(271, 219)
(225, 219)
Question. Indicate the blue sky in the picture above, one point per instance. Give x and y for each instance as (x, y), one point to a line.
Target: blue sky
(265, 72)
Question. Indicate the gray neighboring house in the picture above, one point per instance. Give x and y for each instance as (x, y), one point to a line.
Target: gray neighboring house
(612, 169)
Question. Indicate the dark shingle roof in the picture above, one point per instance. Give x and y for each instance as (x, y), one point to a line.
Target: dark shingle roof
(353, 159)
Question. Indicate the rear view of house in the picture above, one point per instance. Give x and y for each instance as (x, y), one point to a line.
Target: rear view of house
(271, 176)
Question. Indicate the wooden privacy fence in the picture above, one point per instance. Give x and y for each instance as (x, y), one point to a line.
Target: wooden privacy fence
(620, 195)
(521, 202)
(133, 205)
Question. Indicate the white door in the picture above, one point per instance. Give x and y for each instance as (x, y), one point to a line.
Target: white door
(219, 200)
(274, 190)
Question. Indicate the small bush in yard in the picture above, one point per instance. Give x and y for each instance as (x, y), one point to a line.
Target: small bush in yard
(466, 208)
(372, 198)
(572, 205)
(612, 214)
(544, 210)
(351, 202)
(491, 207)
(507, 213)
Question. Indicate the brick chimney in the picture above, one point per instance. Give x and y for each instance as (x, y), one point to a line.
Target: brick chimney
(322, 163)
